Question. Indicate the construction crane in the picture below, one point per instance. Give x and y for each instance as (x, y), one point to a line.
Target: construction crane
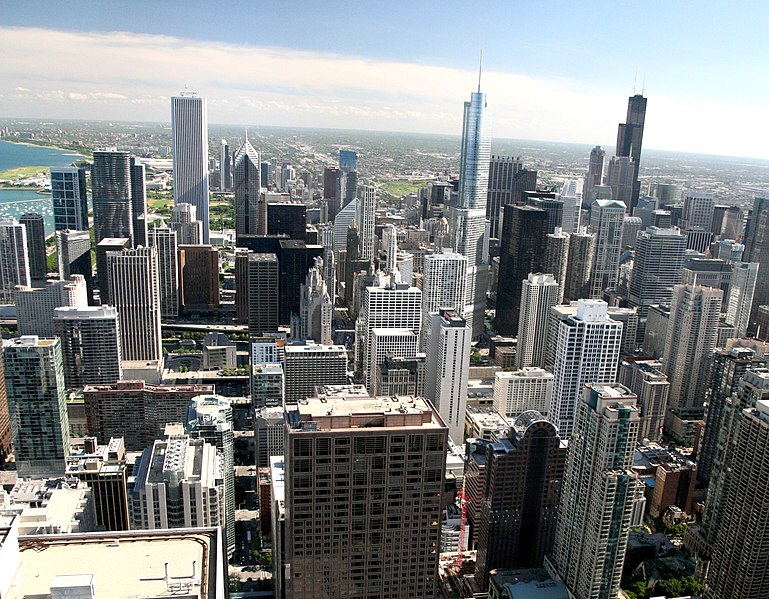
(463, 523)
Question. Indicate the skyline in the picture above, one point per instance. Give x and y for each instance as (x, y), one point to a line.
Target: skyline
(393, 72)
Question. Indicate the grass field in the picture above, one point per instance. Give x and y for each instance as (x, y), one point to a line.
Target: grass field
(22, 172)
(392, 191)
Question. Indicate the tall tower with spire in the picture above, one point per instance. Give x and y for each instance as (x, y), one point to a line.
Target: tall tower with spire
(250, 208)
(468, 215)
(630, 136)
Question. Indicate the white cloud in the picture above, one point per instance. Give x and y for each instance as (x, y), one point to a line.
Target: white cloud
(131, 76)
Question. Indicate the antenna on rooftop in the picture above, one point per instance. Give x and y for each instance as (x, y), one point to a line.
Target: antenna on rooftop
(643, 85)
(480, 70)
(635, 80)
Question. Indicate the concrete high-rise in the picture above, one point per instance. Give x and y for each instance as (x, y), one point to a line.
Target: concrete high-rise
(36, 254)
(105, 246)
(739, 300)
(73, 252)
(522, 251)
(367, 206)
(620, 177)
(557, 258)
(35, 305)
(138, 202)
(135, 292)
(630, 138)
(580, 266)
(189, 128)
(164, 240)
(209, 417)
(448, 363)
(198, 278)
(69, 198)
(90, 345)
(250, 205)
(178, 484)
(14, 262)
(594, 174)
(689, 345)
(37, 404)
(111, 192)
(571, 196)
(395, 306)
(737, 568)
(539, 293)
(262, 294)
(606, 221)
(184, 222)
(225, 167)
(646, 379)
(586, 344)
(316, 312)
(386, 545)
(522, 390)
(444, 278)
(757, 250)
(516, 529)
(600, 494)
(309, 365)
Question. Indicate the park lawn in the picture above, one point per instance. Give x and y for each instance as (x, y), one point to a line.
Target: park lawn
(22, 172)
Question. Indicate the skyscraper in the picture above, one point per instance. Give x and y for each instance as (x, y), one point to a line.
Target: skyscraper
(757, 250)
(646, 379)
(388, 543)
(105, 246)
(522, 251)
(448, 363)
(189, 126)
(69, 198)
(630, 138)
(367, 205)
(198, 278)
(571, 196)
(14, 261)
(739, 301)
(6, 433)
(594, 174)
(309, 365)
(316, 312)
(111, 191)
(600, 494)
(185, 223)
(539, 293)
(557, 258)
(90, 345)
(348, 177)
(689, 344)
(443, 285)
(580, 266)
(262, 294)
(468, 217)
(138, 202)
(37, 404)
(606, 221)
(209, 417)
(225, 167)
(517, 529)
(134, 291)
(586, 344)
(73, 252)
(737, 568)
(621, 178)
(35, 305)
(250, 205)
(164, 240)
(503, 176)
(35, 227)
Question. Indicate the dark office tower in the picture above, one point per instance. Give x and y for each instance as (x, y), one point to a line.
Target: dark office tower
(546, 201)
(630, 137)
(557, 258)
(241, 285)
(69, 198)
(225, 167)
(35, 226)
(73, 250)
(138, 203)
(198, 278)
(502, 171)
(287, 218)
(739, 567)
(262, 294)
(331, 190)
(757, 250)
(164, 239)
(594, 174)
(580, 266)
(522, 251)
(658, 266)
(295, 258)
(250, 209)
(111, 191)
(620, 177)
(388, 543)
(524, 473)
(348, 176)
(727, 370)
(524, 180)
(102, 247)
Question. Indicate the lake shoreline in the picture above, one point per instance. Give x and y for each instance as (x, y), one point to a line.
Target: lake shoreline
(50, 147)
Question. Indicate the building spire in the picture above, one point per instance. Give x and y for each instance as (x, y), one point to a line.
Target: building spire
(480, 70)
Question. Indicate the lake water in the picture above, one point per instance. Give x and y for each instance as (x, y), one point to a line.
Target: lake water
(15, 202)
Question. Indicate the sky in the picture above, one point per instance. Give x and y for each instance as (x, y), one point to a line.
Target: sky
(554, 71)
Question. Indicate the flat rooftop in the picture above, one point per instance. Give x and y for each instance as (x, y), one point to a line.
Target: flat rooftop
(123, 565)
(333, 413)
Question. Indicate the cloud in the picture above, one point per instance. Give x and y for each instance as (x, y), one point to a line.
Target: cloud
(132, 76)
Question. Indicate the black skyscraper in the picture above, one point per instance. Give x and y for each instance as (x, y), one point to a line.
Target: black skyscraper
(111, 187)
(630, 137)
(757, 250)
(522, 250)
(38, 264)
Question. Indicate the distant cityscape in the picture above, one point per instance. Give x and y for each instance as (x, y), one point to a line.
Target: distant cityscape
(310, 364)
